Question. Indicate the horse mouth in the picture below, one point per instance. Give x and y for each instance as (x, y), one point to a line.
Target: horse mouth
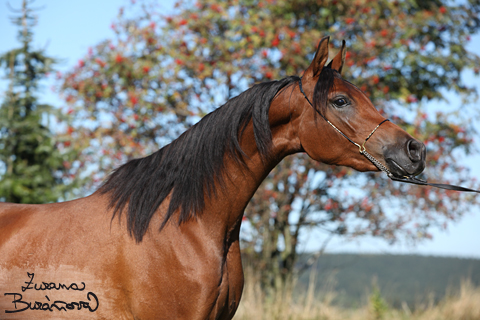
(399, 171)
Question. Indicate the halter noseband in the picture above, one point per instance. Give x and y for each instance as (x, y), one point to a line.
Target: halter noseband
(378, 164)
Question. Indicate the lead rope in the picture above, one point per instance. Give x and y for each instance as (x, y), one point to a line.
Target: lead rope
(378, 164)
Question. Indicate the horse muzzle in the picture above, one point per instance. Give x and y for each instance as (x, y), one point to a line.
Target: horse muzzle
(405, 159)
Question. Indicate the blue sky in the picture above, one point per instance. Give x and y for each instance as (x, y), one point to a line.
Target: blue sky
(68, 28)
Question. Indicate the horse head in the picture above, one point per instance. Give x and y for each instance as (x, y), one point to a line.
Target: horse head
(352, 123)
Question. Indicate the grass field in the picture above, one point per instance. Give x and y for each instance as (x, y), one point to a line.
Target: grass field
(464, 304)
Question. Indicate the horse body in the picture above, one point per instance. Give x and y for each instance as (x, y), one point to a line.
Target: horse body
(55, 240)
(48, 239)
(123, 267)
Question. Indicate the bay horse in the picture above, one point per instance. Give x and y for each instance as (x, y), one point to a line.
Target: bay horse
(160, 238)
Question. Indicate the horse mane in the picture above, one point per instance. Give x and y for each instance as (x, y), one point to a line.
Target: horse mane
(188, 167)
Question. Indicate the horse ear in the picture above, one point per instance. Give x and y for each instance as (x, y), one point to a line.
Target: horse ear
(321, 57)
(339, 60)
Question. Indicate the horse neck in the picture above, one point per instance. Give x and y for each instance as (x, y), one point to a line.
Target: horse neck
(241, 181)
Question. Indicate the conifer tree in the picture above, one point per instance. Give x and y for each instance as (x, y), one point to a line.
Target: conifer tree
(34, 161)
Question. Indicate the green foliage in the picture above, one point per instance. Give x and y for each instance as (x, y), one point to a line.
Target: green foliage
(162, 70)
(377, 304)
(34, 162)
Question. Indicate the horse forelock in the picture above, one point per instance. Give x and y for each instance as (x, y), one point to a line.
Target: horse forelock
(192, 166)
(325, 84)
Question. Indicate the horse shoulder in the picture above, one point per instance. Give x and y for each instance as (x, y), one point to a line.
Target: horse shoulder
(178, 273)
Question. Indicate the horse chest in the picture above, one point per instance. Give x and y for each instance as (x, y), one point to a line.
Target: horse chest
(231, 287)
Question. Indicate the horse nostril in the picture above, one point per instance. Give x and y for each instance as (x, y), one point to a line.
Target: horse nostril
(415, 150)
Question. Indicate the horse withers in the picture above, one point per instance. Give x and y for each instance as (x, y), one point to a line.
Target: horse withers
(160, 238)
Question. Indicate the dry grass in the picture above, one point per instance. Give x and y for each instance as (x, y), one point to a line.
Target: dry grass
(464, 305)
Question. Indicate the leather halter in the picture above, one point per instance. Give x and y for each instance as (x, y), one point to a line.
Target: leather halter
(378, 164)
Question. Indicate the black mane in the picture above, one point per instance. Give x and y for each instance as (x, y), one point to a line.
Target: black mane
(188, 167)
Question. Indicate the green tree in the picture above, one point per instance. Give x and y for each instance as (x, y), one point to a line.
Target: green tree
(35, 163)
(401, 53)
(378, 305)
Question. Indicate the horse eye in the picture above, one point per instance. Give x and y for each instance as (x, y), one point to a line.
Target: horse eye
(341, 102)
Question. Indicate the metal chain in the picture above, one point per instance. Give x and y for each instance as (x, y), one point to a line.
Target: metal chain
(377, 163)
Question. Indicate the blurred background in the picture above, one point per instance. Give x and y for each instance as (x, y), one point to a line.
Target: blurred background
(87, 85)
